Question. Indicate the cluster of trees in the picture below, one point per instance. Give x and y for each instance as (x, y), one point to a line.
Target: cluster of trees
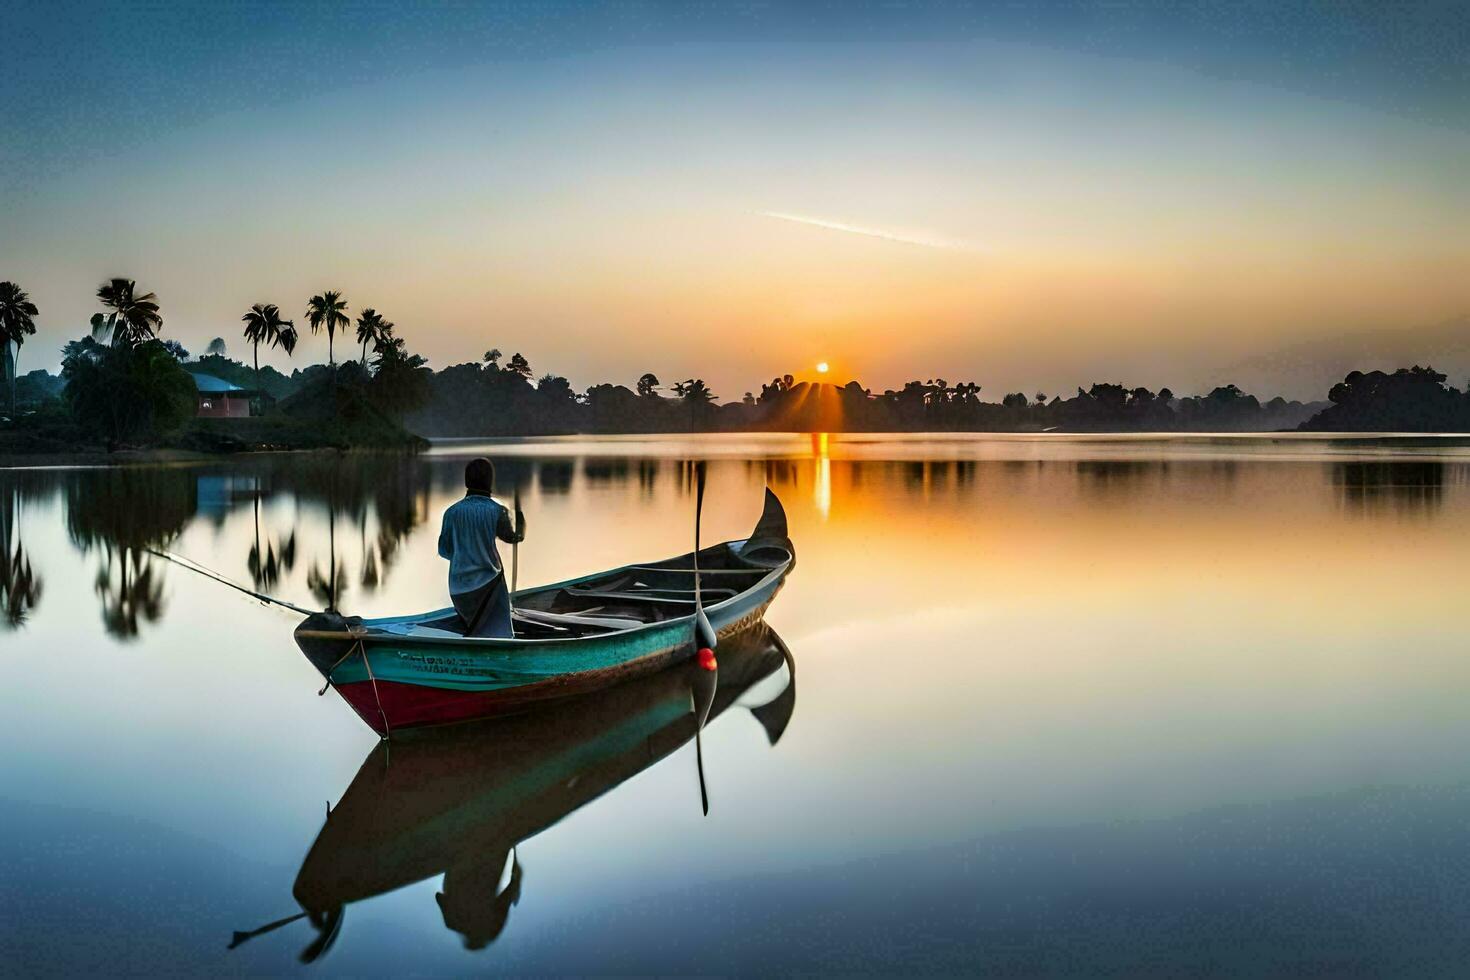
(123, 384)
(494, 398)
(122, 381)
(487, 399)
(1104, 406)
(1414, 399)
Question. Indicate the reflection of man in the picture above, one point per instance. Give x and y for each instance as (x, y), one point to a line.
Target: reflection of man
(472, 902)
(476, 578)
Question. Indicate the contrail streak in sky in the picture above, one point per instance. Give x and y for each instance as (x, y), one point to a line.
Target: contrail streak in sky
(887, 236)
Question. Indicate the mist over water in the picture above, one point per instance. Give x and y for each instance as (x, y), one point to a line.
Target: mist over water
(1060, 705)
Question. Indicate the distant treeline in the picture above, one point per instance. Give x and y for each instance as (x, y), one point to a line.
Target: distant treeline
(491, 398)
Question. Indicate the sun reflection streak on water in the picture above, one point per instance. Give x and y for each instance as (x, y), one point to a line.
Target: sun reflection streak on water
(822, 484)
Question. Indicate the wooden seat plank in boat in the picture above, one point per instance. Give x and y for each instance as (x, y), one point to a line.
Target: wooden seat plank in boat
(573, 619)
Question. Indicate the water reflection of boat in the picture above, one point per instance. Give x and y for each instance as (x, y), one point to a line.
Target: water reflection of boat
(571, 637)
(458, 802)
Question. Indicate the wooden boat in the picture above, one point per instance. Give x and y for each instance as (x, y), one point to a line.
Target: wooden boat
(458, 802)
(570, 637)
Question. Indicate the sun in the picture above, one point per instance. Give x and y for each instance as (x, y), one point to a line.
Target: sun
(821, 367)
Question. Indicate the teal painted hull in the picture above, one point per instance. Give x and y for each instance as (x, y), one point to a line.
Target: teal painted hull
(489, 665)
(572, 637)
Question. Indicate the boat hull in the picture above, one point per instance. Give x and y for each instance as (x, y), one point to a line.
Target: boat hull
(411, 687)
(411, 672)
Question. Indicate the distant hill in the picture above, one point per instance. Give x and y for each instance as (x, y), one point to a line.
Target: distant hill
(38, 387)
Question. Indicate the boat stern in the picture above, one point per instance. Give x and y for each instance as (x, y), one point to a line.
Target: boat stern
(769, 545)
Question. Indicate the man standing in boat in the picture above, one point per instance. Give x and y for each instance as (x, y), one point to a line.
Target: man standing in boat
(477, 585)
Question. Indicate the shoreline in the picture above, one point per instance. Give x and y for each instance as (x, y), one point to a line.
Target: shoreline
(88, 458)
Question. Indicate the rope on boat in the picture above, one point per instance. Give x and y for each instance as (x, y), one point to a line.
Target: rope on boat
(197, 568)
(359, 647)
(387, 732)
(350, 651)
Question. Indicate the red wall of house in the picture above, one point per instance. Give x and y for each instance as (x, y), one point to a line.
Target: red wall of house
(223, 407)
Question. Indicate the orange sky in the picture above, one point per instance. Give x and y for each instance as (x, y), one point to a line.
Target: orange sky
(1019, 216)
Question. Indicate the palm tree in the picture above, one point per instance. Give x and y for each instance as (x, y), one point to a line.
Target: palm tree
(286, 338)
(16, 323)
(133, 319)
(371, 328)
(264, 322)
(694, 391)
(325, 310)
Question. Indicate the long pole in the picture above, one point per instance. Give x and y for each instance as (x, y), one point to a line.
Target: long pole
(199, 569)
(515, 546)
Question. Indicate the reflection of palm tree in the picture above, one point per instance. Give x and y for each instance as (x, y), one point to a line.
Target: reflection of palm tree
(266, 565)
(254, 560)
(381, 491)
(328, 588)
(135, 596)
(368, 557)
(20, 587)
(126, 512)
(370, 577)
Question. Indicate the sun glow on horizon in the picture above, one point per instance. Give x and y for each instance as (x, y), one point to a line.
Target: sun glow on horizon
(821, 367)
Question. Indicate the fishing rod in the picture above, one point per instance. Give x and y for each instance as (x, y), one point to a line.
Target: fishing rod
(199, 569)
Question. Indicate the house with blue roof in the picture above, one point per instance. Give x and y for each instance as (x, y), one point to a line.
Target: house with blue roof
(219, 399)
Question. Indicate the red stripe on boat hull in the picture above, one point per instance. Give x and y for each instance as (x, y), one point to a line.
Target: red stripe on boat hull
(415, 706)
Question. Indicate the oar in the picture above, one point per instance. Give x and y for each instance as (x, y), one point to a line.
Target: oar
(515, 546)
(707, 679)
(241, 937)
(328, 925)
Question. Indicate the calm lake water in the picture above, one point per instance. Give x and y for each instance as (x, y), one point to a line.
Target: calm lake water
(1101, 705)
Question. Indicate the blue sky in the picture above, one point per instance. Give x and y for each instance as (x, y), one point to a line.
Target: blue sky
(1024, 194)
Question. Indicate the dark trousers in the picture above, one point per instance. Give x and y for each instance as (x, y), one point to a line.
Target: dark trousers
(486, 610)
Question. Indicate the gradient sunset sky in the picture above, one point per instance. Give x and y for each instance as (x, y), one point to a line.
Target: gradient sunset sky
(1029, 196)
